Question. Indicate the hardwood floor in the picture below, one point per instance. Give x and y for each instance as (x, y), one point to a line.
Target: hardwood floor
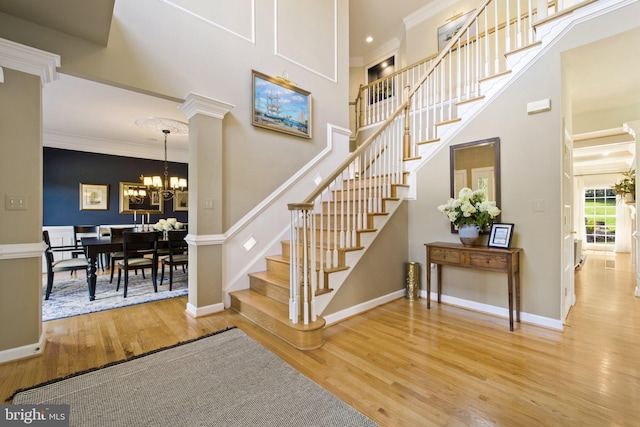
(403, 365)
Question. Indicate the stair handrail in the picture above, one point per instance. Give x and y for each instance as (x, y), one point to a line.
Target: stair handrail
(326, 182)
(345, 164)
(435, 61)
(306, 261)
(329, 223)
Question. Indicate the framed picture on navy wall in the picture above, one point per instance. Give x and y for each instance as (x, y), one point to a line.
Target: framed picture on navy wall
(181, 201)
(94, 197)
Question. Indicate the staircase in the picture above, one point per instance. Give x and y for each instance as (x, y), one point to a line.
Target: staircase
(332, 228)
(267, 300)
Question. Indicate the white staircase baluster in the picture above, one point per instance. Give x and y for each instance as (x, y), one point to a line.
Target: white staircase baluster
(412, 103)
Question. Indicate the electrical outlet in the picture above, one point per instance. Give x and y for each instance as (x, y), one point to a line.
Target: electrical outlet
(15, 202)
(208, 203)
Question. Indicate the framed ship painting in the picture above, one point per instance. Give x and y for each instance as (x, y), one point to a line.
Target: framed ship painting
(281, 106)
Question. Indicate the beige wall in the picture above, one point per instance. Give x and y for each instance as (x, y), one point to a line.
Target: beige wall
(20, 173)
(531, 153)
(381, 269)
(422, 39)
(154, 47)
(530, 164)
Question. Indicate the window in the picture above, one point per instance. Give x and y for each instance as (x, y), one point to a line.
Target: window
(600, 216)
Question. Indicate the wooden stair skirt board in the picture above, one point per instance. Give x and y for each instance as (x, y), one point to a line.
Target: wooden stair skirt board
(273, 316)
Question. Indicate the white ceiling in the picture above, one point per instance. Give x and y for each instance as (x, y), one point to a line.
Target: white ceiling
(102, 118)
(379, 19)
(77, 109)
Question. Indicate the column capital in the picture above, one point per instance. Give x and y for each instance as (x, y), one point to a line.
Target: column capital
(199, 104)
(29, 60)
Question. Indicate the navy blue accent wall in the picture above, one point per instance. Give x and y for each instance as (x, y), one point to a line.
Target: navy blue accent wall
(64, 170)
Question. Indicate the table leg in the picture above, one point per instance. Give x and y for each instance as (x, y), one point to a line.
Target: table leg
(428, 285)
(517, 283)
(91, 276)
(439, 272)
(510, 286)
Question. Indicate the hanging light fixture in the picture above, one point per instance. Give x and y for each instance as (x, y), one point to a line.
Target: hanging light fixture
(165, 186)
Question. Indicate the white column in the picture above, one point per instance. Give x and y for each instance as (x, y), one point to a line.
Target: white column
(205, 236)
(24, 71)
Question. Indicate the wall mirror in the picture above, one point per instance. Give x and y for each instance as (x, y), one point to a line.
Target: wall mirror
(133, 200)
(476, 165)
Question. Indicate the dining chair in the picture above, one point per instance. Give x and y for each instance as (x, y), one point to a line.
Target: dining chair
(116, 233)
(71, 264)
(137, 247)
(80, 231)
(177, 254)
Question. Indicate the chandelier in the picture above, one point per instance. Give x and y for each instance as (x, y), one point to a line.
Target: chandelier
(164, 185)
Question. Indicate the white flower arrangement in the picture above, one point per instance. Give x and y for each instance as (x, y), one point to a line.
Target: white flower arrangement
(168, 224)
(470, 208)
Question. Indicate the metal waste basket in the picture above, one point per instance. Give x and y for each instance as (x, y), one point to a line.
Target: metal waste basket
(412, 280)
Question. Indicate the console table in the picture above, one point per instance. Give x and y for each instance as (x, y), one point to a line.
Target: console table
(479, 258)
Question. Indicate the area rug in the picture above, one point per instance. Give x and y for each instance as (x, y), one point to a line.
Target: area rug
(70, 297)
(227, 379)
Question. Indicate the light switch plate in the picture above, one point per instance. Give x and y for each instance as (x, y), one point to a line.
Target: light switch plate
(15, 202)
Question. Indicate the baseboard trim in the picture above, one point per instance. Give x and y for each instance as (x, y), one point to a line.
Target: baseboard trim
(362, 307)
(196, 312)
(533, 319)
(28, 350)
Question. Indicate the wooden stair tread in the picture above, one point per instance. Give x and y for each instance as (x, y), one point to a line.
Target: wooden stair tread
(273, 279)
(275, 310)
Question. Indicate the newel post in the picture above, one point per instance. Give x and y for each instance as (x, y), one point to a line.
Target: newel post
(360, 108)
(302, 262)
(407, 125)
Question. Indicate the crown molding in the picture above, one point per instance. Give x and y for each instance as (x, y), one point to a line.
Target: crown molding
(424, 13)
(200, 104)
(112, 147)
(29, 60)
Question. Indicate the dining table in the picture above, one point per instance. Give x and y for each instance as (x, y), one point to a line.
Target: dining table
(95, 246)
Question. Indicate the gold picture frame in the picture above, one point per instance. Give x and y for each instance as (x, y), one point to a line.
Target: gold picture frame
(181, 201)
(279, 105)
(94, 197)
(142, 205)
(451, 28)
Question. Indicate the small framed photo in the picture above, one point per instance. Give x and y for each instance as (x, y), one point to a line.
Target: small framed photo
(181, 201)
(500, 236)
(94, 197)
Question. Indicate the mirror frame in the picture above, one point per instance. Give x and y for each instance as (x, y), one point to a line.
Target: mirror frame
(496, 173)
(124, 202)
